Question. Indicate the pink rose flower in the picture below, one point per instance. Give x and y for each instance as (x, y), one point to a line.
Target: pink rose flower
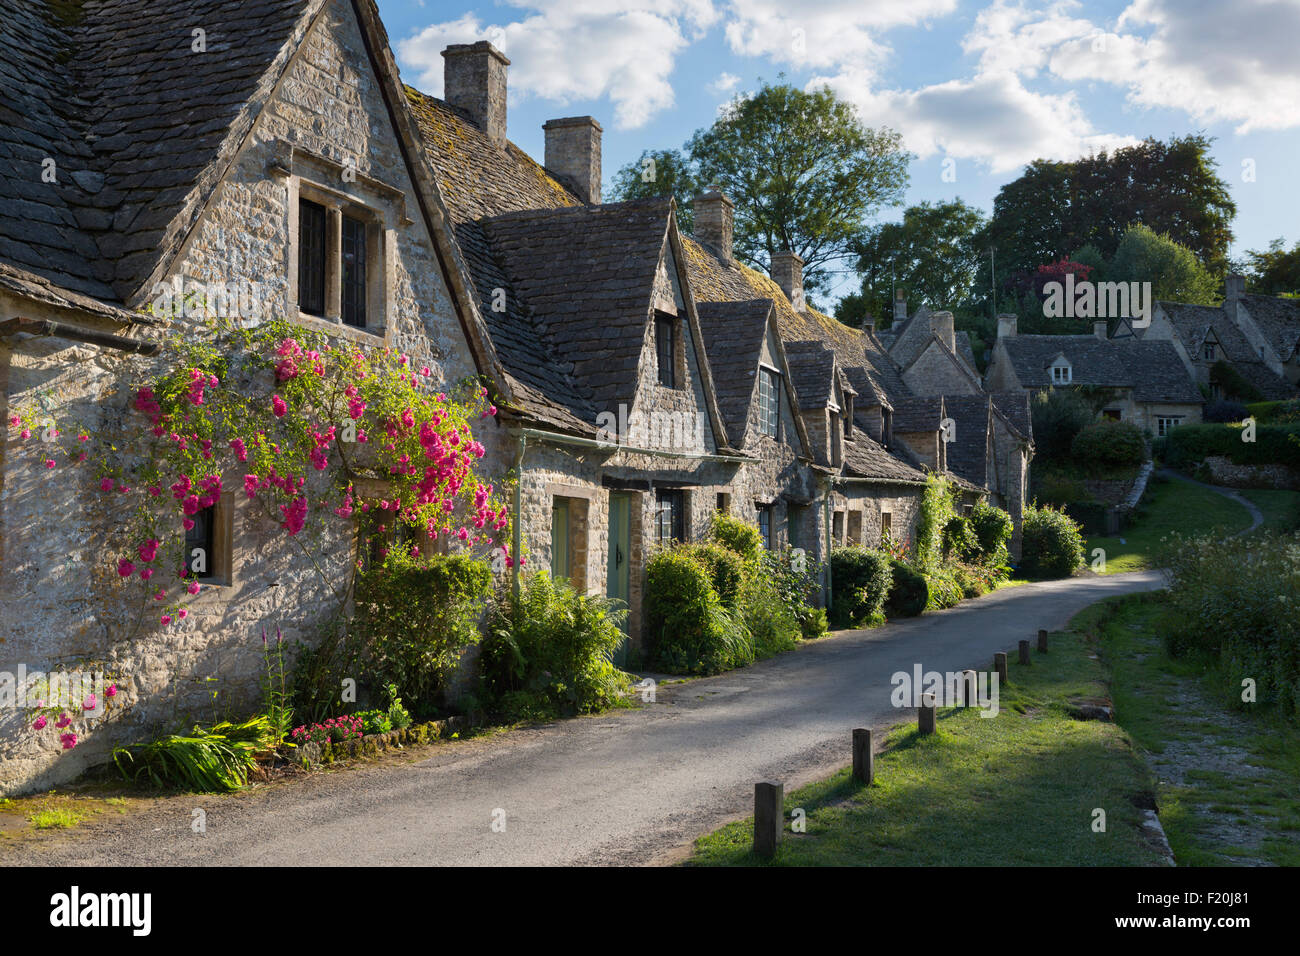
(69, 741)
(63, 721)
(125, 568)
(106, 484)
(40, 723)
(278, 406)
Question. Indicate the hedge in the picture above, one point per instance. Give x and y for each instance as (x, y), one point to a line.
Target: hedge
(1051, 546)
(1188, 445)
(910, 592)
(860, 581)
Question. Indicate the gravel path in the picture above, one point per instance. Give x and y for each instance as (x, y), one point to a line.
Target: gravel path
(631, 787)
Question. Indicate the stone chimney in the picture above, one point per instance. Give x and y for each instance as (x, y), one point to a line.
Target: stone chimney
(900, 307)
(474, 79)
(787, 272)
(941, 324)
(1234, 287)
(1099, 329)
(1006, 325)
(573, 153)
(715, 216)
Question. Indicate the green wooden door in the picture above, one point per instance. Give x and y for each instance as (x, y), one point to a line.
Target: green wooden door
(618, 579)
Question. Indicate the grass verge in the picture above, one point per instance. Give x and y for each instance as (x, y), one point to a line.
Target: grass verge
(1170, 506)
(1020, 788)
(1227, 778)
(1280, 508)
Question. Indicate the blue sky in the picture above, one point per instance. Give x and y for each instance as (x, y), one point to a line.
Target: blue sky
(976, 87)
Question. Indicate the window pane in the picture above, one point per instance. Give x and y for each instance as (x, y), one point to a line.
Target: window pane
(354, 272)
(311, 257)
(200, 537)
(560, 539)
(665, 351)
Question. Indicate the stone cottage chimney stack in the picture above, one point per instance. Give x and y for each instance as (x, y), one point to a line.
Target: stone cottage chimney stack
(1234, 287)
(715, 216)
(573, 153)
(1099, 329)
(900, 307)
(941, 324)
(787, 272)
(1006, 325)
(474, 79)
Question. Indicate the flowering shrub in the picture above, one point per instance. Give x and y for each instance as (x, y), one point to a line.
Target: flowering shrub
(334, 730)
(302, 418)
(66, 703)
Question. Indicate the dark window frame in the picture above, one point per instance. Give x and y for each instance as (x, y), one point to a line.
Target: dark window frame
(354, 253)
(769, 403)
(670, 516)
(666, 349)
(313, 243)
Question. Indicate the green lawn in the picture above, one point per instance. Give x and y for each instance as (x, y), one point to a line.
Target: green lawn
(1228, 779)
(1016, 789)
(1281, 509)
(1170, 506)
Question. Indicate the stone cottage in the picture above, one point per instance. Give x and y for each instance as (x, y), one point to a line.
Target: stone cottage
(1255, 336)
(645, 379)
(1144, 381)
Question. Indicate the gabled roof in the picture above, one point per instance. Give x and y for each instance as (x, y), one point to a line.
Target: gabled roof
(968, 450)
(1278, 319)
(586, 276)
(1014, 409)
(966, 353)
(1157, 373)
(140, 128)
(1193, 324)
(813, 369)
(921, 413)
(865, 458)
(733, 340)
(1151, 368)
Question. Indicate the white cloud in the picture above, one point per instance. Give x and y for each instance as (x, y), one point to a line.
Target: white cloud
(564, 50)
(991, 119)
(725, 83)
(823, 33)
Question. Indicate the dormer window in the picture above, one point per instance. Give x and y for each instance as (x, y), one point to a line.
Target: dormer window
(769, 402)
(848, 416)
(1061, 373)
(666, 349)
(1211, 353)
(339, 257)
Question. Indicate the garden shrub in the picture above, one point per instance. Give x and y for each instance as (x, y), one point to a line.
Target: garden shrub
(1055, 486)
(938, 505)
(771, 624)
(959, 540)
(1057, 416)
(1234, 599)
(736, 536)
(414, 620)
(550, 651)
(1222, 412)
(944, 588)
(1051, 546)
(860, 582)
(797, 581)
(1108, 445)
(726, 569)
(909, 593)
(993, 528)
(688, 631)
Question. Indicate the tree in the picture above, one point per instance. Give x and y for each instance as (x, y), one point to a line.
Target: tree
(1055, 208)
(930, 256)
(803, 171)
(1275, 271)
(659, 172)
(1172, 269)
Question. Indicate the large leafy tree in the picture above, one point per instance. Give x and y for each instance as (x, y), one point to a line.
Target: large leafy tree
(1055, 208)
(1172, 269)
(803, 171)
(1275, 271)
(930, 256)
(659, 172)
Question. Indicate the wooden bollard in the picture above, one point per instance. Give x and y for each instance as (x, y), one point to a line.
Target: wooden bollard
(769, 817)
(1042, 640)
(1000, 665)
(864, 759)
(925, 715)
(1024, 653)
(969, 689)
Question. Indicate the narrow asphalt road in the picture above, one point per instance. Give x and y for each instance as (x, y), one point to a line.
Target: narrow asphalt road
(632, 787)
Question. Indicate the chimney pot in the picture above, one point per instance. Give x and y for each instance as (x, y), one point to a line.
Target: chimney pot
(1234, 287)
(941, 324)
(573, 153)
(715, 217)
(1099, 329)
(1006, 325)
(787, 272)
(900, 307)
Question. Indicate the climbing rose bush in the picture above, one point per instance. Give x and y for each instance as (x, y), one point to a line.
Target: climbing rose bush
(299, 419)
